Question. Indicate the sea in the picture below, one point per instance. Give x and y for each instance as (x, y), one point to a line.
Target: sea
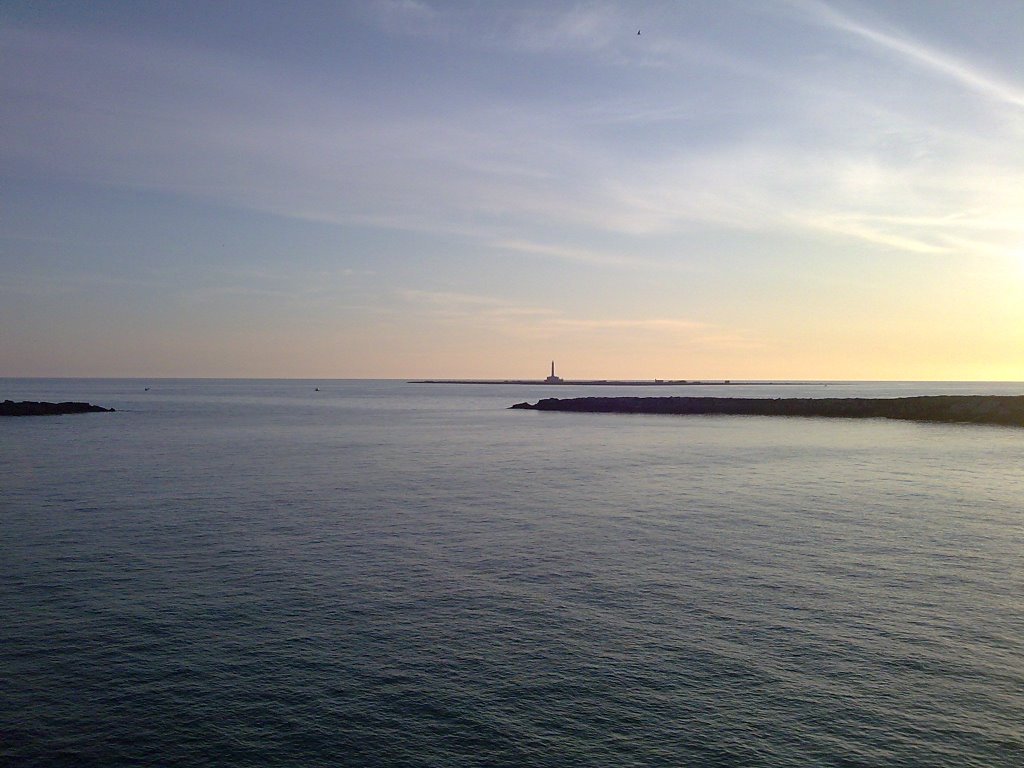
(382, 573)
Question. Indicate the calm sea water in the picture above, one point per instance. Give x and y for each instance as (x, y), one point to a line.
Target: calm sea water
(252, 573)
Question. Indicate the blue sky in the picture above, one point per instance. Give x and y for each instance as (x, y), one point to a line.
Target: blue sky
(789, 189)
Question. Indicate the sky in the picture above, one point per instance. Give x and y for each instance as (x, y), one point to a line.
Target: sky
(747, 189)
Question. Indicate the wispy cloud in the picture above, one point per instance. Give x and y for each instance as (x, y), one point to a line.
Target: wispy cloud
(41, 285)
(454, 303)
(512, 319)
(493, 170)
(494, 149)
(581, 27)
(912, 51)
(580, 255)
(527, 28)
(862, 228)
(411, 17)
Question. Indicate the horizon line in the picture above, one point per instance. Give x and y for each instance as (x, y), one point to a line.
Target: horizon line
(410, 379)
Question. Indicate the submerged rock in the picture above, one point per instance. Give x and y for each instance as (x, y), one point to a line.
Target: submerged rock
(29, 408)
(972, 409)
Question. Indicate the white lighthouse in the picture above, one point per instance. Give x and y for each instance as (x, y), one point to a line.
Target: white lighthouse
(552, 379)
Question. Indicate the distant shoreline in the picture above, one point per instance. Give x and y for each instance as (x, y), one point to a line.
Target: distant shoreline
(1007, 410)
(618, 383)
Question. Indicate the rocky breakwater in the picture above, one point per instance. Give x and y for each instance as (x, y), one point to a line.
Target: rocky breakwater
(970, 409)
(29, 408)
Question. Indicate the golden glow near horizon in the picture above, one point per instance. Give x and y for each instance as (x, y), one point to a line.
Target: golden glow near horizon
(799, 190)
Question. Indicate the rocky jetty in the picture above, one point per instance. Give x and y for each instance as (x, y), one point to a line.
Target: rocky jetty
(970, 409)
(29, 408)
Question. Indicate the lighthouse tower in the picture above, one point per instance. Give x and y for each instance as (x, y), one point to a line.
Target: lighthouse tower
(552, 379)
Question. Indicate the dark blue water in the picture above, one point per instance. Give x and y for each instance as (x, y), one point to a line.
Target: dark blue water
(251, 573)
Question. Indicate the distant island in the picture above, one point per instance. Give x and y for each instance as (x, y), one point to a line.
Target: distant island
(598, 382)
(29, 408)
(555, 380)
(970, 409)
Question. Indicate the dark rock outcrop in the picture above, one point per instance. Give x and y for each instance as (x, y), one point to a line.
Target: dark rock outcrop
(29, 408)
(973, 409)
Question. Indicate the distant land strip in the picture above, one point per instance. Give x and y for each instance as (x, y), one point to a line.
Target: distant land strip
(611, 382)
(970, 409)
(29, 408)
